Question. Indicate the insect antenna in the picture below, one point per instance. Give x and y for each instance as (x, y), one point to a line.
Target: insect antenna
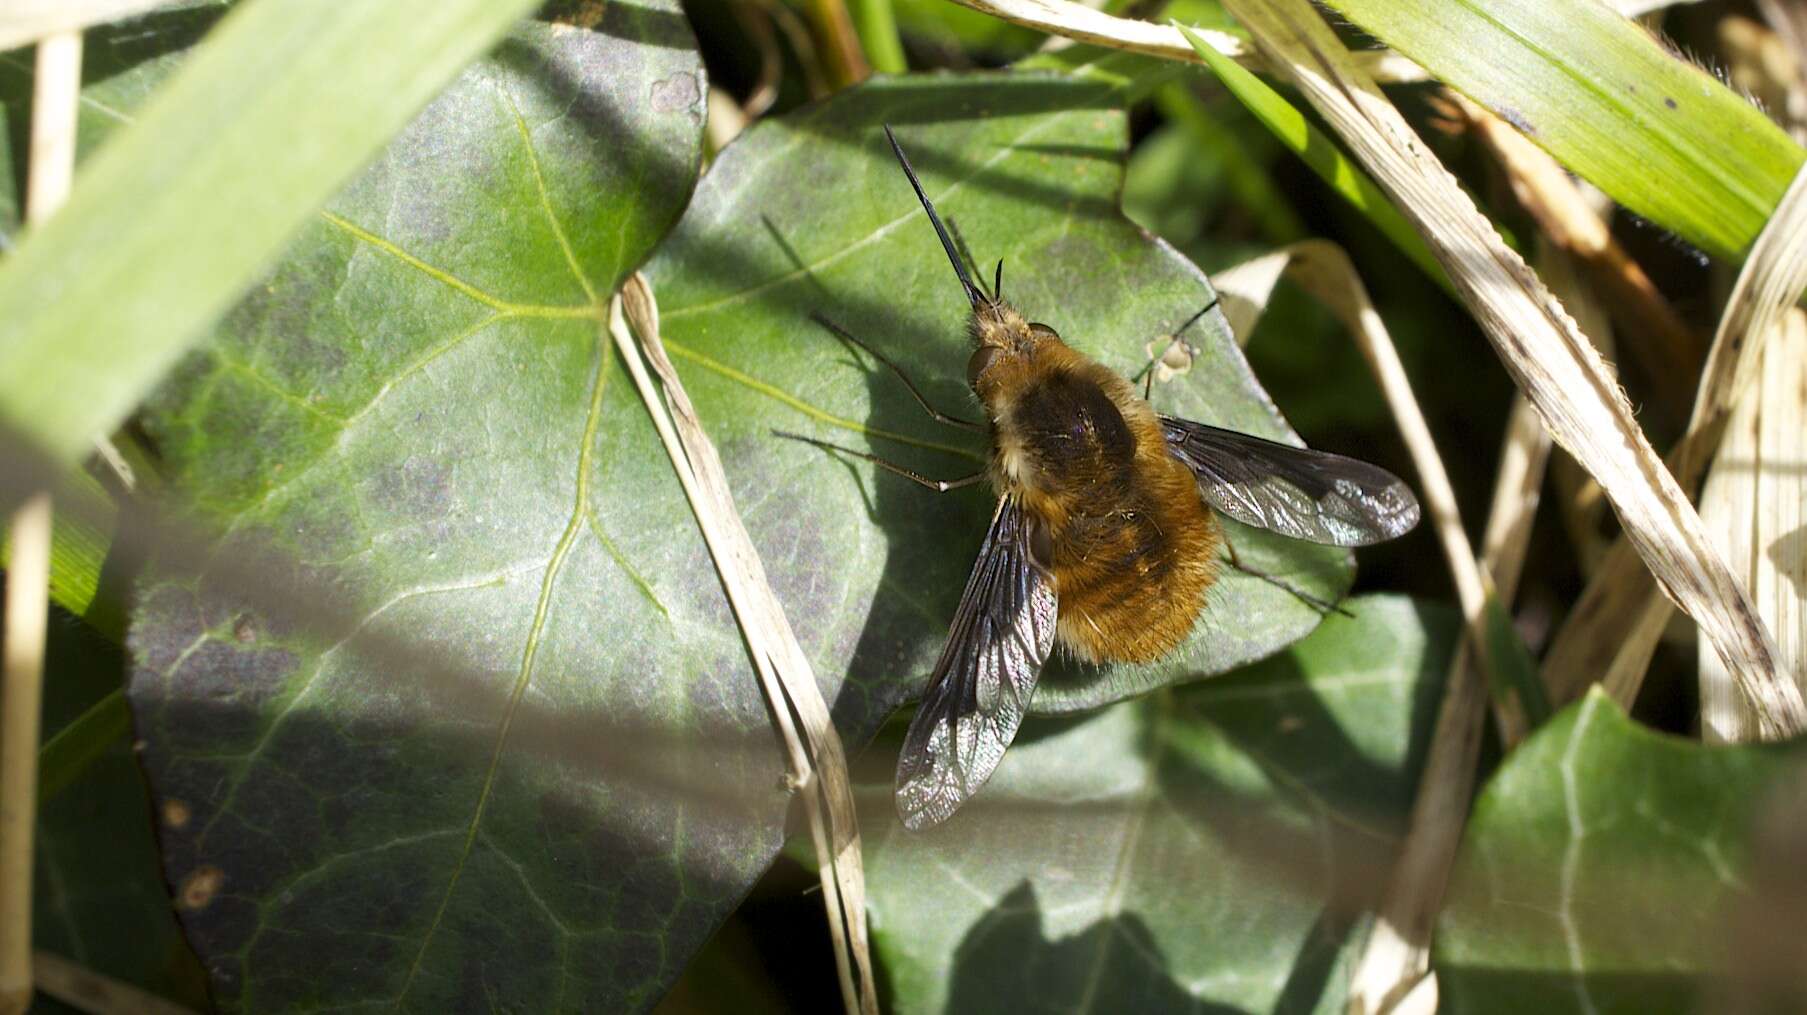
(973, 294)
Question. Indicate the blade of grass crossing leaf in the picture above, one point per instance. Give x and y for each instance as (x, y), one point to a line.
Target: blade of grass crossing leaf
(1661, 135)
(818, 762)
(1319, 152)
(180, 211)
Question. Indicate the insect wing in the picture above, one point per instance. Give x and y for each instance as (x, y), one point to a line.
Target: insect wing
(1296, 492)
(1001, 635)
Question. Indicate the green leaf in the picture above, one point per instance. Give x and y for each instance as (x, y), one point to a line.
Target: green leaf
(461, 659)
(812, 214)
(456, 578)
(99, 897)
(1600, 866)
(1205, 848)
(1318, 151)
(1661, 135)
(176, 217)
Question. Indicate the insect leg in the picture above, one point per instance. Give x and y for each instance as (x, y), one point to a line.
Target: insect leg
(1147, 371)
(1302, 596)
(938, 485)
(940, 417)
(972, 263)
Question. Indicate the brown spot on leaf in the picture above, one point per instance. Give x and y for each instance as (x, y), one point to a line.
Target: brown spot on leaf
(199, 887)
(675, 93)
(584, 15)
(176, 813)
(1667, 101)
(244, 631)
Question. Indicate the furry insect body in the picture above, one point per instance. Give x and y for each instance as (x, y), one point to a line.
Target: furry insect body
(1103, 537)
(1117, 520)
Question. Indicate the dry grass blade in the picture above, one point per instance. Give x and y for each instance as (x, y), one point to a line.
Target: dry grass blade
(1755, 501)
(1396, 955)
(1245, 289)
(818, 764)
(56, 89)
(1323, 269)
(86, 990)
(21, 702)
(1084, 24)
(1547, 356)
(1391, 973)
(1613, 630)
(1669, 350)
(840, 44)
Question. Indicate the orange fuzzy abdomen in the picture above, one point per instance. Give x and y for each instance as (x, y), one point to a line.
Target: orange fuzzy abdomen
(1133, 547)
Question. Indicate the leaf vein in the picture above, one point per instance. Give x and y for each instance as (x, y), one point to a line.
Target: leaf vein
(541, 610)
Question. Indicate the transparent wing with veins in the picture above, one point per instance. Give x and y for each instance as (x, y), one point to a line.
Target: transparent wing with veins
(1297, 492)
(1001, 635)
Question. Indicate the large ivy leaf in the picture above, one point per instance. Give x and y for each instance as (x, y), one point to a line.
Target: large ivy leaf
(811, 213)
(391, 715)
(460, 660)
(180, 213)
(1204, 848)
(1602, 867)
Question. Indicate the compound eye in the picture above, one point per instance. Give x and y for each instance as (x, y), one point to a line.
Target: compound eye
(1043, 331)
(982, 360)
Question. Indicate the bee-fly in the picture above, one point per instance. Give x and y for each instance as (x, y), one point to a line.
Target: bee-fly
(1103, 538)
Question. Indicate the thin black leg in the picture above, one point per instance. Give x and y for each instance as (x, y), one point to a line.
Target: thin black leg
(1304, 597)
(972, 263)
(940, 417)
(1147, 371)
(937, 485)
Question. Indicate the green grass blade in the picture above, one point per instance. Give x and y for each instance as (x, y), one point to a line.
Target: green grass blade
(1319, 152)
(876, 24)
(80, 537)
(1510, 666)
(66, 755)
(182, 210)
(1665, 138)
(1248, 179)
